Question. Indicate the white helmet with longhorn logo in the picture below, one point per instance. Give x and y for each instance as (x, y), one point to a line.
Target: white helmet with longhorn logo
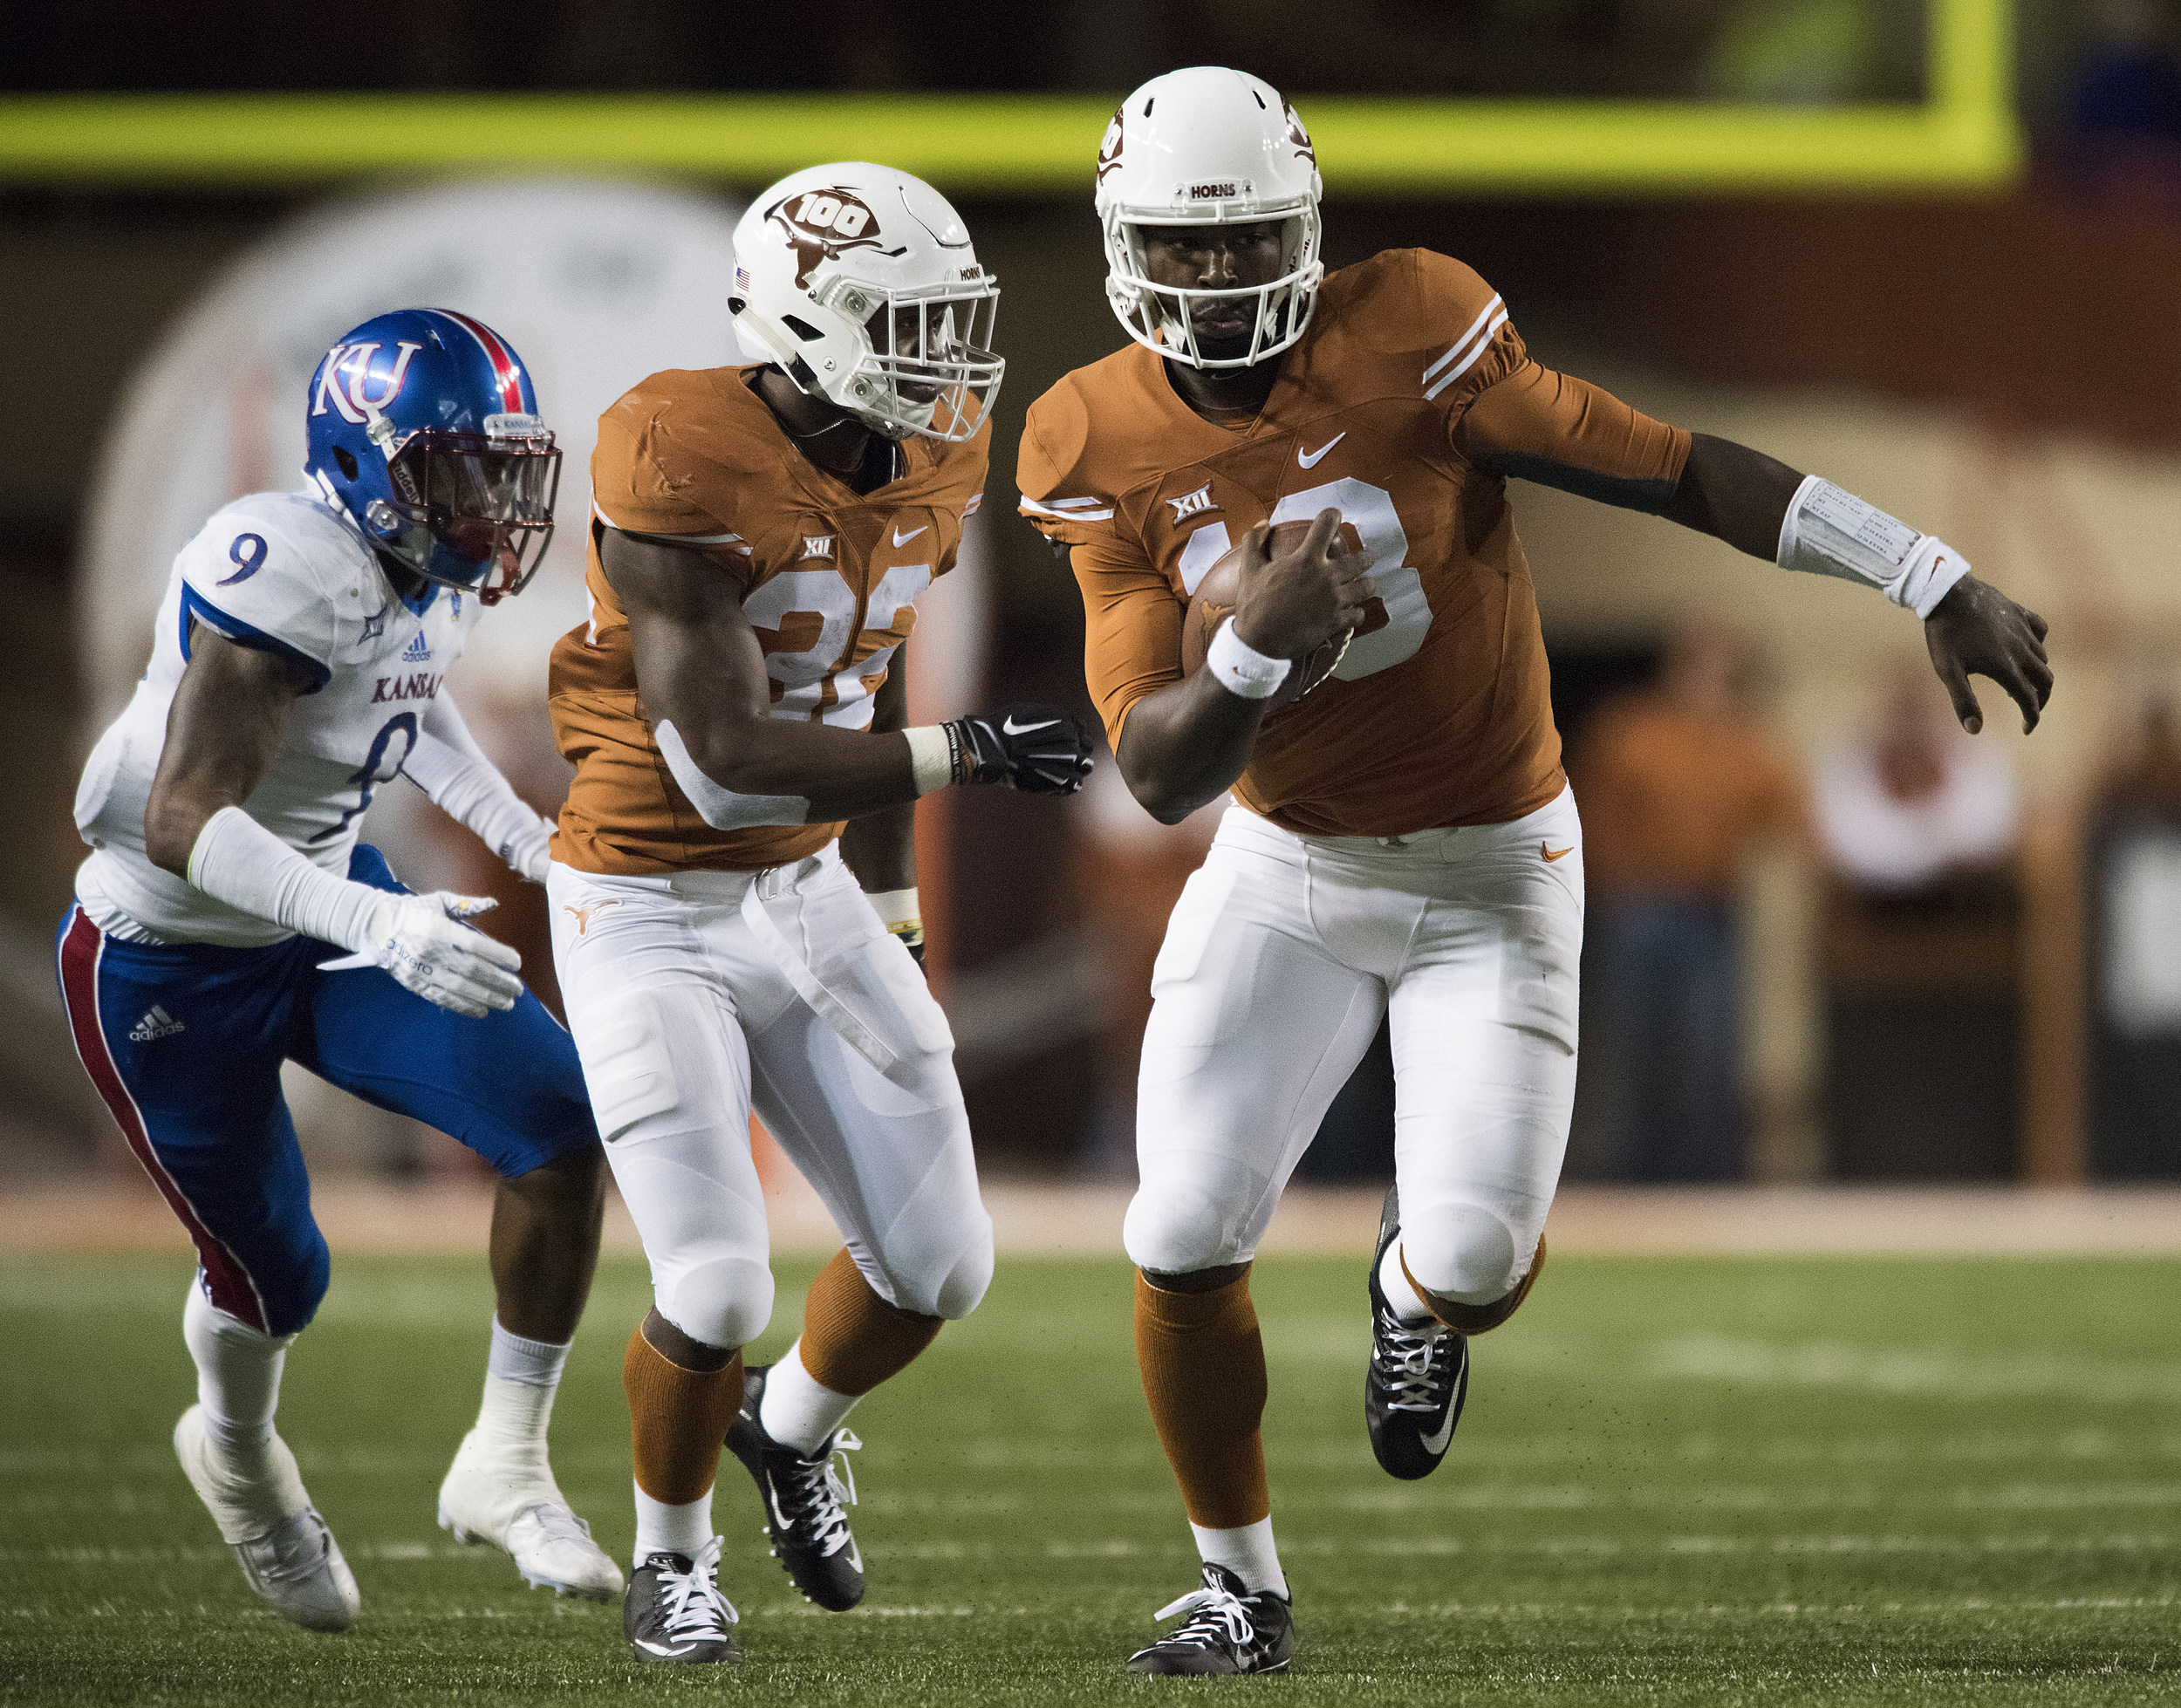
(859, 282)
(1208, 145)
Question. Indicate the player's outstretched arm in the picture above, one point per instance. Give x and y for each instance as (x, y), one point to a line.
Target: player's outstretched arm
(452, 769)
(701, 674)
(1762, 507)
(1185, 744)
(1560, 431)
(222, 730)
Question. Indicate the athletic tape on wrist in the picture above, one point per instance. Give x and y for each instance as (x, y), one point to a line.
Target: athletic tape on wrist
(1831, 532)
(932, 753)
(1241, 668)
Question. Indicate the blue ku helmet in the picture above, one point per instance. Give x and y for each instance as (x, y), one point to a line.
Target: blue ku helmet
(423, 426)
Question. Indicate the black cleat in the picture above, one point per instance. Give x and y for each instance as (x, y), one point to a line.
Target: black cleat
(675, 1613)
(803, 1500)
(1227, 1631)
(1417, 1379)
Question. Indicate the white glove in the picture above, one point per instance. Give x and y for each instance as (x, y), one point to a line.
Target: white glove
(423, 942)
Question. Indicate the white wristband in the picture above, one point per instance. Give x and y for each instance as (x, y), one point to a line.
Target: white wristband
(896, 908)
(1241, 668)
(932, 755)
(1827, 531)
(242, 864)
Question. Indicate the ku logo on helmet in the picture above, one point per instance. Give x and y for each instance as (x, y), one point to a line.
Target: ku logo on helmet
(346, 379)
(824, 225)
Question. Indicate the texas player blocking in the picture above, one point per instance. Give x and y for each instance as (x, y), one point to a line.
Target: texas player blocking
(1404, 844)
(734, 879)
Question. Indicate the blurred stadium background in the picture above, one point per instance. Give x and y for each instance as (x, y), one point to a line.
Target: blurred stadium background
(1930, 248)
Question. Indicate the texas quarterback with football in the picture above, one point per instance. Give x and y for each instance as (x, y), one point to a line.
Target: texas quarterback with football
(1403, 844)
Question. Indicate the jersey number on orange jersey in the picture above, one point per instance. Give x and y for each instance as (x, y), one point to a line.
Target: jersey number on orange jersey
(1397, 619)
(823, 665)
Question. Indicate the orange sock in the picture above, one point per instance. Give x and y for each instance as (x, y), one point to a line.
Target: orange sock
(677, 1419)
(1203, 1365)
(853, 1340)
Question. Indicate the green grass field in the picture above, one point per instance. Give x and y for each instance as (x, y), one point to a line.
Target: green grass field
(1701, 1480)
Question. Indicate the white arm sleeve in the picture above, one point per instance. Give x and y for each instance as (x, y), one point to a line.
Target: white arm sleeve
(721, 807)
(242, 864)
(1827, 531)
(452, 769)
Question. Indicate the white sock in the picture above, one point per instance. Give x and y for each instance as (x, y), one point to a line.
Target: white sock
(1393, 1281)
(796, 1411)
(238, 1377)
(1249, 1553)
(520, 1379)
(664, 1529)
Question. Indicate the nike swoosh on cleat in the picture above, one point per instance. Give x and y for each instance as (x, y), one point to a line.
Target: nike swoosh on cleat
(899, 538)
(1011, 727)
(1552, 854)
(772, 1500)
(1435, 1443)
(1311, 459)
(669, 1649)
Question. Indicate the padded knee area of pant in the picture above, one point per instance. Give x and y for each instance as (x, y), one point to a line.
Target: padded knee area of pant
(1461, 1252)
(1173, 1231)
(963, 1287)
(721, 1300)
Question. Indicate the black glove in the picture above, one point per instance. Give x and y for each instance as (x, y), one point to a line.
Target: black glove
(1038, 749)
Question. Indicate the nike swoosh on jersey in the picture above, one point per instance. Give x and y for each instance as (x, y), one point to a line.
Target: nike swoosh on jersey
(1312, 459)
(1011, 727)
(899, 538)
(1552, 854)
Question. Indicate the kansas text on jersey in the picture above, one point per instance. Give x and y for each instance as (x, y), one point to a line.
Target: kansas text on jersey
(282, 572)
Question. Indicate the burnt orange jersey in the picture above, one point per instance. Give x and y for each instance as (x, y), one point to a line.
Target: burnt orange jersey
(827, 576)
(1404, 406)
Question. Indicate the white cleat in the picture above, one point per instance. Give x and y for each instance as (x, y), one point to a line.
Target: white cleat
(282, 1546)
(511, 1502)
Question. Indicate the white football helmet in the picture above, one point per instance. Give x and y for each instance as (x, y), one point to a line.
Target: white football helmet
(1208, 145)
(860, 284)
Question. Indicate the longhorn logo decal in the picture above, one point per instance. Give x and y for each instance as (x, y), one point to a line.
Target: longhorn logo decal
(824, 225)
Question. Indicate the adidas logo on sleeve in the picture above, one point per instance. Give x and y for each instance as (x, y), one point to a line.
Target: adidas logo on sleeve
(157, 1023)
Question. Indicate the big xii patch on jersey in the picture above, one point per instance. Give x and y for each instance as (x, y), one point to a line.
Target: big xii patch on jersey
(827, 577)
(1440, 713)
(284, 573)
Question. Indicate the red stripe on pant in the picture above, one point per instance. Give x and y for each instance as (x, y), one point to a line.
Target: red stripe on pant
(226, 1279)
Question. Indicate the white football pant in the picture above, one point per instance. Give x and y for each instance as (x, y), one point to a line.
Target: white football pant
(1283, 955)
(696, 996)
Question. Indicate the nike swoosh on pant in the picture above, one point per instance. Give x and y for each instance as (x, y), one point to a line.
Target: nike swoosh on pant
(1552, 854)
(1312, 459)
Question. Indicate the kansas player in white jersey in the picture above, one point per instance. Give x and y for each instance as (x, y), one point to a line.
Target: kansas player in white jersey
(227, 920)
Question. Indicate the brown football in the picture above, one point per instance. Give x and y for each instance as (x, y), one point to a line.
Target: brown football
(1214, 603)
